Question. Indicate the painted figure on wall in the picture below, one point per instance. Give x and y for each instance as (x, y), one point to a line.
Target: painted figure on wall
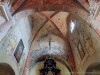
(19, 50)
(81, 50)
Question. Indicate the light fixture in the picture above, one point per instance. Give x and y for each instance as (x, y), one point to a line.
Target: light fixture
(50, 65)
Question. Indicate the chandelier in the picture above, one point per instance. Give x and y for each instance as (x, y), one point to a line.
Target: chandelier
(50, 65)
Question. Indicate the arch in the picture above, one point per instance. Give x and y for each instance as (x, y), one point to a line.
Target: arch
(6, 69)
(60, 32)
(58, 59)
(5, 58)
(23, 13)
(93, 69)
(57, 42)
(64, 69)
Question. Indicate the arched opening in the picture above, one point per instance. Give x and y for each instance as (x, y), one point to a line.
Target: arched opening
(64, 70)
(6, 69)
(93, 69)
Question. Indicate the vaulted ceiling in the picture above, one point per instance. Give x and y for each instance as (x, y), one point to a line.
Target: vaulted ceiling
(50, 26)
(50, 5)
(50, 36)
(52, 29)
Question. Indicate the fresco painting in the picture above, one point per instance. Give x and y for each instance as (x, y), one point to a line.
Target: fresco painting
(82, 41)
(48, 45)
(4, 31)
(19, 50)
(21, 63)
(9, 44)
(48, 42)
(90, 39)
(80, 50)
(38, 22)
(38, 53)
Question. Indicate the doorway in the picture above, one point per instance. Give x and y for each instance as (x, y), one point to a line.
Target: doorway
(6, 69)
(93, 69)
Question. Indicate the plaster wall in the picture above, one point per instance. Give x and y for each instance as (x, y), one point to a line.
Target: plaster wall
(21, 30)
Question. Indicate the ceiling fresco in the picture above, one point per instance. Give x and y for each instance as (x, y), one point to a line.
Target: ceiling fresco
(48, 41)
(49, 32)
(53, 28)
(83, 40)
(50, 5)
(57, 18)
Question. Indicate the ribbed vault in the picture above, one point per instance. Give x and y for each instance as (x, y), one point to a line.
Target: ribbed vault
(50, 32)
